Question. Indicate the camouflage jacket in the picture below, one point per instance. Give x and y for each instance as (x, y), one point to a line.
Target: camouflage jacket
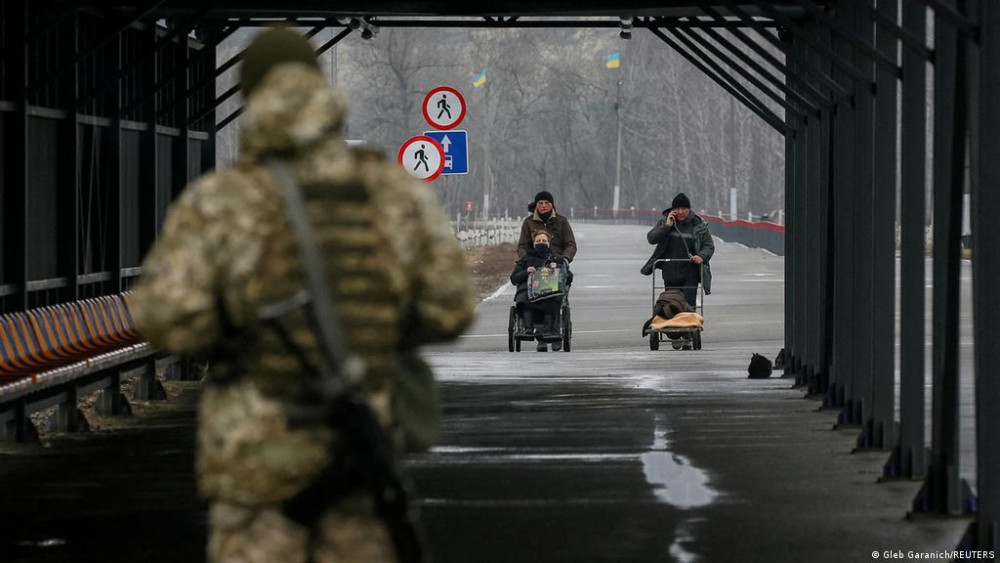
(227, 249)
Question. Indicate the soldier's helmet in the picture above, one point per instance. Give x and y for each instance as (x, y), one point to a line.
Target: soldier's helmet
(270, 48)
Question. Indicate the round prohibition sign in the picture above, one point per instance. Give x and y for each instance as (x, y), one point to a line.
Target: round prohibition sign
(422, 157)
(444, 108)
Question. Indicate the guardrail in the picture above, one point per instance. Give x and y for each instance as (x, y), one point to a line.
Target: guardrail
(53, 356)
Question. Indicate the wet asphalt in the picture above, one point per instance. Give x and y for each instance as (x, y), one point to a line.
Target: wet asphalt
(610, 452)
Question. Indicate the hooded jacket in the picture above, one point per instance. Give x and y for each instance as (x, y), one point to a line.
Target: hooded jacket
(395, 270)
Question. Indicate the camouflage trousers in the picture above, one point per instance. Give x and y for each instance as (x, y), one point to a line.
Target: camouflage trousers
(347, 532)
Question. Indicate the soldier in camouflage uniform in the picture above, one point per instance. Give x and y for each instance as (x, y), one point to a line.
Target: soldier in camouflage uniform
(227, 249)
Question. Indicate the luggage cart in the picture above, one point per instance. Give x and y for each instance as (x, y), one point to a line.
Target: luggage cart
(682, 338)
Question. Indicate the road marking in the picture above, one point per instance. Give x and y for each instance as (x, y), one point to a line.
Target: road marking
(502, 290)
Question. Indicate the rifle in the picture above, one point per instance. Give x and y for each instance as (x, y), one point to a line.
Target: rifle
(362, 452)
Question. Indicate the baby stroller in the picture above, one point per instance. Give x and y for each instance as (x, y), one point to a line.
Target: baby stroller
(682, 336)
(518, 333)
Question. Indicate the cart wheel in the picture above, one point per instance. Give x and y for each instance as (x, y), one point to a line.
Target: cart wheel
(511, 328)
(696, 340)
(654, 341)
(567, 328)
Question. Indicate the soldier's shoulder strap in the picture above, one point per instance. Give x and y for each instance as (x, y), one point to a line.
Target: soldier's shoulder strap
(345, 369)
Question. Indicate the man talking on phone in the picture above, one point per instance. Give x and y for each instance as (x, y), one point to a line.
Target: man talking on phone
(682, 237)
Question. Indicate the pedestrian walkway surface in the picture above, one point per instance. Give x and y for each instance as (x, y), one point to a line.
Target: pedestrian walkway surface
(611, 452)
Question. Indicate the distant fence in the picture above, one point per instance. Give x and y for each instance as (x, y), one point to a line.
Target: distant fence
(486, 232)
(761, 234)
(757, 234)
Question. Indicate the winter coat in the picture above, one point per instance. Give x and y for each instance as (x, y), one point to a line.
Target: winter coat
(702, 245)
(561, 237)
(671, 302)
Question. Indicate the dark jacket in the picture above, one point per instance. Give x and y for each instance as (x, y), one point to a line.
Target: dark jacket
(702, 245)
(671, 302)
(561, 237)
(519, 277)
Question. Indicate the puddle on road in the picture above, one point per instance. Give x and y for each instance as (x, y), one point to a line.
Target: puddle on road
(678, 482)
(683, 535)
(675, 480)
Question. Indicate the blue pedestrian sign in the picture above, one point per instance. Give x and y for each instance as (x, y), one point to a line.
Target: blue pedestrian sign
(456, 150)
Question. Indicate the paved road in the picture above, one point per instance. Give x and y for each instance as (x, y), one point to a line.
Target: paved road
(614, 452)
(611, 452)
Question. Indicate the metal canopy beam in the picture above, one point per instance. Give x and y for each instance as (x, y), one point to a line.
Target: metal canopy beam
(721, 72)
(322, 49)
(235, 88)
(821, 100)
(797, 30)
(828, 82)
(514, 23)
(430, 8)
(681, 34)
(735, 90)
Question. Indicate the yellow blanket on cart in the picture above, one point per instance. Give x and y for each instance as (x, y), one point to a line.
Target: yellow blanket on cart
(680, 320)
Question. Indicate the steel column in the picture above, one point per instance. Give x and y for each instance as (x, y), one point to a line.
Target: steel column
(985, 207)
(858, 409)
(179, 31)
(910, 459)
(207, 80)
(843, 372)
(880, 431)
(822, 380)
(15, 209)
(70, 182)
(805, 201)
(789, 328)
(863, 43)
(915, 41)
(818, 207)
(799, 227)
(181, 153)
(148, 205)
(139, 14)
(115, 205)
(944, 492)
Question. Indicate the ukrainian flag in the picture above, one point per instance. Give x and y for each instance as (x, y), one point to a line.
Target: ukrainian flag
(614, 60)
(480, 79)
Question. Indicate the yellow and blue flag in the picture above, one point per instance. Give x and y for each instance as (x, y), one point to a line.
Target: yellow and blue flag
(480, 79)
(614, 60)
